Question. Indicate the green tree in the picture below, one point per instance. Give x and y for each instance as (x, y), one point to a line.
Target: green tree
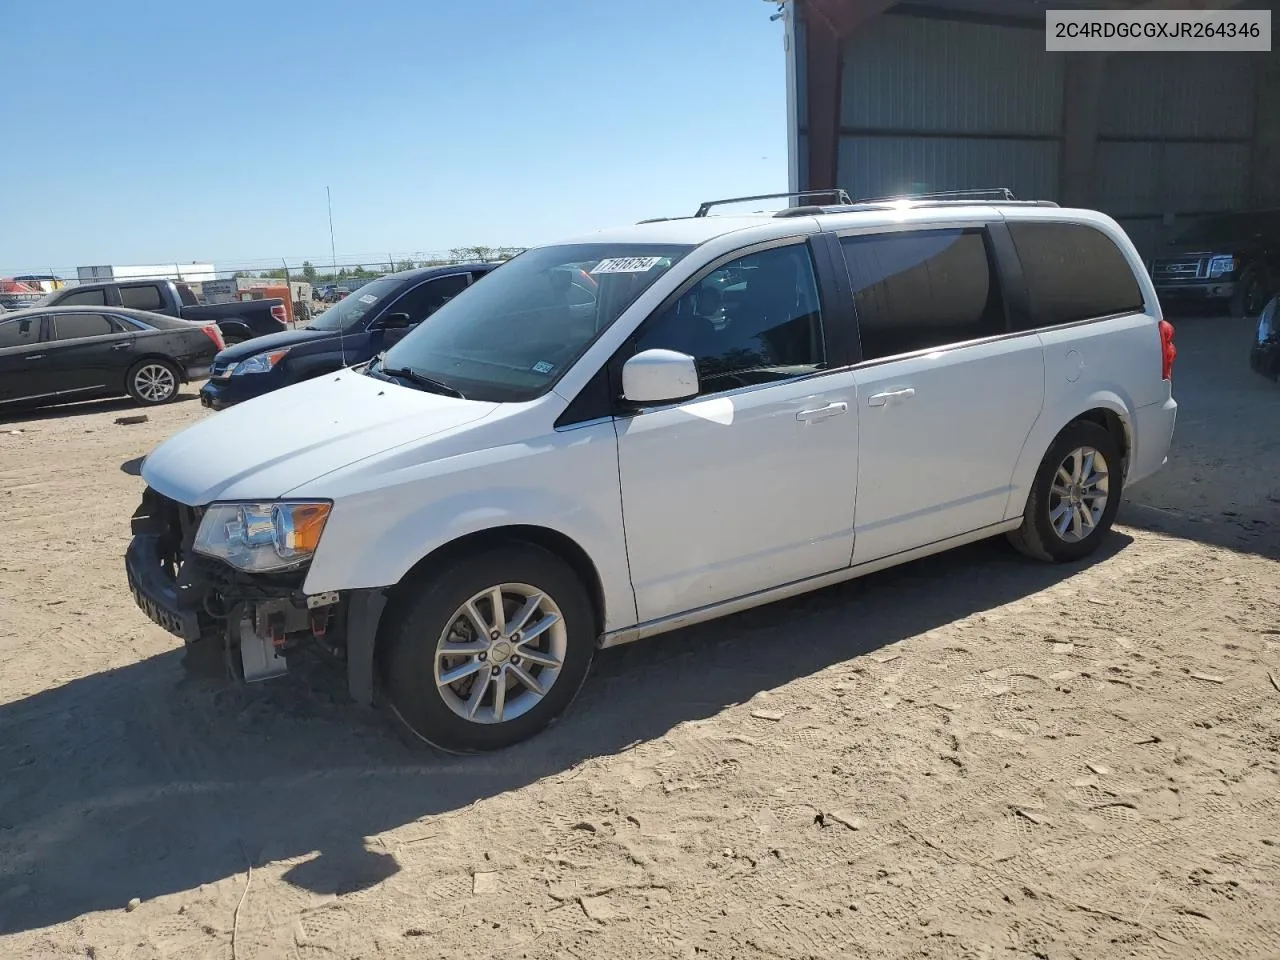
(308, 271)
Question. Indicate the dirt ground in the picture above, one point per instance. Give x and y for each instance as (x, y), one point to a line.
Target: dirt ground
(973, 756)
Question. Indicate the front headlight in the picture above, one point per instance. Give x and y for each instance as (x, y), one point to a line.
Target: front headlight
(260, 363)
(1220, 265)
(262, 537)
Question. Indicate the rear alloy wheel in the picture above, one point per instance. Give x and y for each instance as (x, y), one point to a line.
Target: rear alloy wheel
(153, 382)
(491, 651)
(1074, 497)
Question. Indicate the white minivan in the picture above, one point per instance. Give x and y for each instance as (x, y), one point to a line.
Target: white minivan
(651, 426)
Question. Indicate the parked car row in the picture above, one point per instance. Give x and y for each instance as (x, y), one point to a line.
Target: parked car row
(238, 321)
(351, 332)
(648, 427)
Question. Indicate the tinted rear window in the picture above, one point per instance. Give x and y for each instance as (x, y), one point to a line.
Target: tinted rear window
(75, 326)
(922, 290)
(90, 298)
(1073, 272)
(141, 296)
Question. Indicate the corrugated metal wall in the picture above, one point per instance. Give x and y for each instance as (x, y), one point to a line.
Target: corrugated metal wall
(941, 104)
(923, 109)
(1175, 139)
(911, 73)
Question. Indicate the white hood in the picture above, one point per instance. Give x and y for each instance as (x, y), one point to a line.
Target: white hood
(265, 447)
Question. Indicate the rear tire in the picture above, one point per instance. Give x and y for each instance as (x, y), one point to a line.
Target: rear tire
(1074, 497)
(153, 382)
(509, 685)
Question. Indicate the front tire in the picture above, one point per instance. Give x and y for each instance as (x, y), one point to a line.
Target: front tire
(465, 679)
(153, 382)
(1074, 497)
(1250, 296)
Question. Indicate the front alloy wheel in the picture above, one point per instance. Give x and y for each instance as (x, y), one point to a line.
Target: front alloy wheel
(501, 653)
(485, 650)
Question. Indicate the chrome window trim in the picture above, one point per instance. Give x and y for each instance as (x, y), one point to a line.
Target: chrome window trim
(995, 338)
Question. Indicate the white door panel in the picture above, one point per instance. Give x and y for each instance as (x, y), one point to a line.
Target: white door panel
(939, 437)
(734, 493)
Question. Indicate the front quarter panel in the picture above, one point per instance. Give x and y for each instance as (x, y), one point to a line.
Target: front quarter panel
(392, 511)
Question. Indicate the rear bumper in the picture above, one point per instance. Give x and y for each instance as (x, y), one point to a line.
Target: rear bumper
(199, 372)
(1152, 435)
(1264, 358)
(1205, 290)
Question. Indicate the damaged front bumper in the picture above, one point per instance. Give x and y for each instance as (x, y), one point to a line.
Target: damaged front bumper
(252, 622)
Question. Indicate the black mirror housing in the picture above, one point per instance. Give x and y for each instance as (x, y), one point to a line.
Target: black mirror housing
(394, 321)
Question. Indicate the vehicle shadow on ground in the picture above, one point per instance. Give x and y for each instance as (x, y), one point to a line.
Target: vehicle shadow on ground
(1221, 486)
(142, 781)
(122, 405)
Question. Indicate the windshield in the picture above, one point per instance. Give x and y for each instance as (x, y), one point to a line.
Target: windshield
(1211, 230)
(348, 314)
(510, 337)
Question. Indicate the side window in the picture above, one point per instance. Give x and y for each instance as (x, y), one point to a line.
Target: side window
(141, 296)
(84, 298)
(426, 298)
(185, 296)
(923, 289)
(20, 332)
(76, 326)
(1074, 272)
(753, 320)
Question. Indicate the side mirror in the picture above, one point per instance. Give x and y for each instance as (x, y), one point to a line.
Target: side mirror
(394, 321)
(659, 376)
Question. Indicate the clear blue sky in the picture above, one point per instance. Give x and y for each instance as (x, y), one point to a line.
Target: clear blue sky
(177, 131)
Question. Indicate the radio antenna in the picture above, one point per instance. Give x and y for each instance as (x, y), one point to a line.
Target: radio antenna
(333, 254)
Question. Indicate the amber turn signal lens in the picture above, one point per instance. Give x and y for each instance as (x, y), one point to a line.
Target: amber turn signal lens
(308, 523)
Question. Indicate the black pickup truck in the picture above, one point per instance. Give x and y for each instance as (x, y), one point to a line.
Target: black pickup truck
(1231, 258)
(237, 321)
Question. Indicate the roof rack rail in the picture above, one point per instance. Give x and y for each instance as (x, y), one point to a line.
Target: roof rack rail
(973, 196)
(917, 201)
(840, 196)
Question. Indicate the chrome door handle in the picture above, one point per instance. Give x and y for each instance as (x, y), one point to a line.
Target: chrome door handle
(881, 399)
(121, 346)
(822, 413)
(37, 356)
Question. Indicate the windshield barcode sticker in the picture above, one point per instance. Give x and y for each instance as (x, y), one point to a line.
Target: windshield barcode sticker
(626, 264)
(368, 298)
(543, 367)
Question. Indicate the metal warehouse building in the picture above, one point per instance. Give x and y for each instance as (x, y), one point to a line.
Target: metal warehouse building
(888, 98)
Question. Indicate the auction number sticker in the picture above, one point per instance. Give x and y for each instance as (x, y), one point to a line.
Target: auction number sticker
(626, 264)
(368, 298)
(543, 367)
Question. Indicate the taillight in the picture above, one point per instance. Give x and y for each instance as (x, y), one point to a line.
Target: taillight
(278, 312)
(1167, 350)
(211, 331)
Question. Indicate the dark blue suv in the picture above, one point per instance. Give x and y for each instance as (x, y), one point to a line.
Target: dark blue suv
(356, 329)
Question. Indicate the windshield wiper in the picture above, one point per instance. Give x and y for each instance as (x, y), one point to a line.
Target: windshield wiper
(421, 380)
